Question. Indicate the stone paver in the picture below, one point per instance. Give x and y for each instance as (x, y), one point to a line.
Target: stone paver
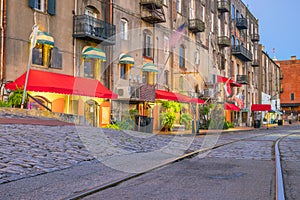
(29, 150)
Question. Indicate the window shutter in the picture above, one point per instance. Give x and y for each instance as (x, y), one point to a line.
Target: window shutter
(51, 7)
(31, 3)
(56, 59)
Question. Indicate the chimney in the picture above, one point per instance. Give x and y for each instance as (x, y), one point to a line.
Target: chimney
(293, 58)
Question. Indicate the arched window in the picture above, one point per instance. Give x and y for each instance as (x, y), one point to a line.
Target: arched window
(124, 29)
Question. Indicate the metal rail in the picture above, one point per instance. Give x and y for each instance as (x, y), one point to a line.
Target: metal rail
(279, 177)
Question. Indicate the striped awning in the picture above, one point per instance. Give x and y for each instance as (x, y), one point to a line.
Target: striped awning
(126, 59)
(150, 67)
(93, 52)
(44, 38)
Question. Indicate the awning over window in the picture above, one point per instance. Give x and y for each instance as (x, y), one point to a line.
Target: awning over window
(221, 79)
(229, 106)
(44, 38)
(260, 107)
(197, 100)
(149, 67)
(93, 52)
(126, 59)
(165, 95)
(42, 81)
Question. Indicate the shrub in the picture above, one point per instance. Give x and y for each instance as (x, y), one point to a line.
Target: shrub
(185, 118)
(113, 126)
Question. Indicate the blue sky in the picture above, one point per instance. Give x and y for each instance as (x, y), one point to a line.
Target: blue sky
(279, 26)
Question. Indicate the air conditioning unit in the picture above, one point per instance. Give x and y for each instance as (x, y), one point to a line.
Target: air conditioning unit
(123, 92)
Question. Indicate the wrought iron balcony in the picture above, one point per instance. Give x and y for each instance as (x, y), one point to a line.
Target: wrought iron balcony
(255, 37)
(255, 63)
(241, 52)
(224, 5)
(241, 23)
(196, 25)
(242, 79)
(90, 28)
(153, 11)
(224, 41)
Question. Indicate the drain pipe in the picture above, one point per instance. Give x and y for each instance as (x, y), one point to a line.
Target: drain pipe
(74, 41)
(2, 49)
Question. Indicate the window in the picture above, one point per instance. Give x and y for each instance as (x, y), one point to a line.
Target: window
(212, 21)
(166, 44)
(292, 97)
(232, 40)
(124, 29)
(147, 44)
(197, 57)
(124, 69)
(192, 9)
(178, 6)
(181, 80)
(181, 56)
(203, 12)
(41, 55)
(89, 68)
(232, 12)
(148, 78)
(166, 77)
(40, 5)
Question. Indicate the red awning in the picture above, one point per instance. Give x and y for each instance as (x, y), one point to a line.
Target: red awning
(42, 81)
(229, 106)
(222, 79)
(260, 107)
(165, 95)
(196, 100)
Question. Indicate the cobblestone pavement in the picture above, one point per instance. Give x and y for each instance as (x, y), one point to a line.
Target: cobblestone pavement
(30, 150)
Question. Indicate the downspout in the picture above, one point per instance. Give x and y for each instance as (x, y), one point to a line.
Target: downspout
(74, 40)
(110, 69)
(2, 49)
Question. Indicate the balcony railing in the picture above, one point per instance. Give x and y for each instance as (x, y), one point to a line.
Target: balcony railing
(224, 41)
(223, 5)
(241, 23)
(196, 25)
(153, 11)
(255, 37)
(255, 63)
(87, 27)
(241, 52)
(242, 79)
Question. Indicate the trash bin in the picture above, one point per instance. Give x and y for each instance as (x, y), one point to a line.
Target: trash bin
(256, 123)
(280, 122)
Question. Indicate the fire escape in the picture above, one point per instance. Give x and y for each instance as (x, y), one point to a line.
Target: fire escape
(153, 11)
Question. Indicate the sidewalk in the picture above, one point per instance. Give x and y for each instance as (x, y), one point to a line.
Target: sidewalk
(34, 121)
